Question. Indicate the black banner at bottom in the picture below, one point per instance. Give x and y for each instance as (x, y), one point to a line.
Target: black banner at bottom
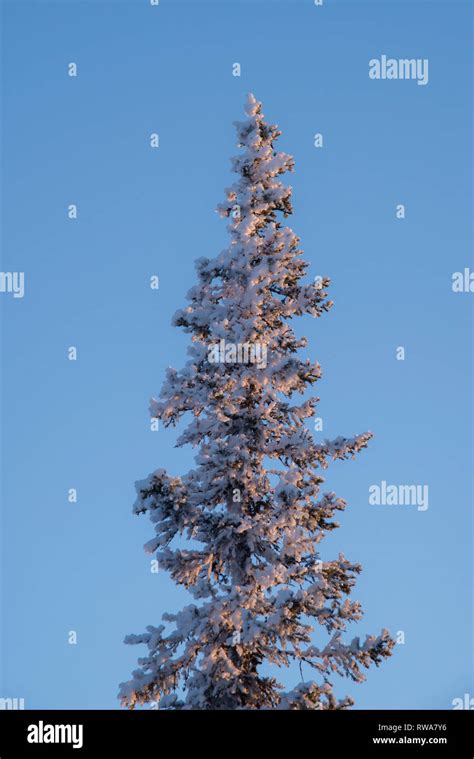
(90, 733)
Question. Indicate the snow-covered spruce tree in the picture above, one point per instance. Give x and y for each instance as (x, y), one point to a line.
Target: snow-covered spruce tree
(253, 507)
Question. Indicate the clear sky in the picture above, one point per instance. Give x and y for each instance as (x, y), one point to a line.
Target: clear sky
(84, 424)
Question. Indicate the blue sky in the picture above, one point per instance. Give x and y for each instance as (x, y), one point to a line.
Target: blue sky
(84, 424)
